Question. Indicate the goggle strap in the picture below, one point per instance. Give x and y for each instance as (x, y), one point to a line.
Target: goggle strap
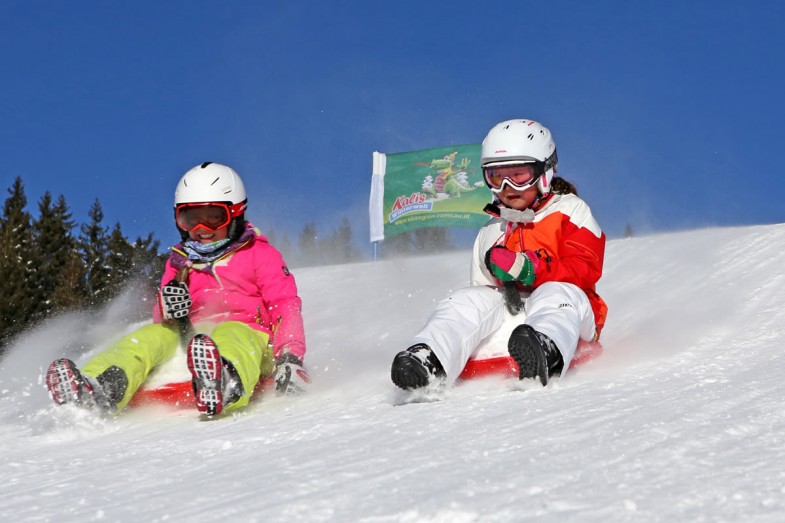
(551, 162)
(236, 209)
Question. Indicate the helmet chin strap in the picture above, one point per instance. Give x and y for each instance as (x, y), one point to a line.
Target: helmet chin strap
(520, 216)
(515, 216)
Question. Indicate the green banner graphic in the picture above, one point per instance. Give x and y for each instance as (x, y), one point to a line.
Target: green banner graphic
(440, 187)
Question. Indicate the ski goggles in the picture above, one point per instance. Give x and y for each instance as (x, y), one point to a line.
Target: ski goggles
(207, 216)
(519, 176)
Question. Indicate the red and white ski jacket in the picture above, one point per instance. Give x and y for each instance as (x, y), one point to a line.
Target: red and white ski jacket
(569, 241)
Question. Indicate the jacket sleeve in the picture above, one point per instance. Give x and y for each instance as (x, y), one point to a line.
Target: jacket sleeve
(284, 306)
(581, 250)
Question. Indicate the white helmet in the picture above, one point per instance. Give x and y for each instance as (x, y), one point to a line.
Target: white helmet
(213, 183)
(521, 141)
(210, 182)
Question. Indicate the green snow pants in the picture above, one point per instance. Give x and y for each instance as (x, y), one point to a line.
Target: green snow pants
(141, 351)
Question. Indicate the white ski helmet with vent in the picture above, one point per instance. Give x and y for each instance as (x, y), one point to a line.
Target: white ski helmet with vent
(212, 182)
(521, 141)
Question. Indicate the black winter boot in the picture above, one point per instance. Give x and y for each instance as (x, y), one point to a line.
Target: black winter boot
(112, 383)
(535, 354)
(416, 367)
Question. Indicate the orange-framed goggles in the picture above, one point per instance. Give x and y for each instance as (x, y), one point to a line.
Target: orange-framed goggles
(519, 176)
(210, 216)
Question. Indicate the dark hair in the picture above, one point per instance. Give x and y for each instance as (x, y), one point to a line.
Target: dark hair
(561, 186)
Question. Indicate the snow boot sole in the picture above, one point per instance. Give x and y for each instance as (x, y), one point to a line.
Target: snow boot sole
(408, 372)
(204, 362)
(65, 382)
(416, 367)
(526, 349)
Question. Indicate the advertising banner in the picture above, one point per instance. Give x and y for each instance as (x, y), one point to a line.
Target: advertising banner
(441, 187)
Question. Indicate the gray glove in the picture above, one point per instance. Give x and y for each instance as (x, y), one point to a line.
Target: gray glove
(290, 376)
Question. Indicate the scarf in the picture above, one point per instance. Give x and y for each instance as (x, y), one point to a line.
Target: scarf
(204, 252)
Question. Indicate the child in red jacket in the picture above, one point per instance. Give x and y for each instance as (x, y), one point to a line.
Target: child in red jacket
(539, 258)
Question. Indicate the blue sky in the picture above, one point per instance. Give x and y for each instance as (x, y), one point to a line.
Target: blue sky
(667, 115)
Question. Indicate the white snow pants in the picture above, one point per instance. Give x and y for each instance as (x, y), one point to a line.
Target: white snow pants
(462, 321)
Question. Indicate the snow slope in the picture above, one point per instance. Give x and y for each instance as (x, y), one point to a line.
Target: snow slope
(680, 420)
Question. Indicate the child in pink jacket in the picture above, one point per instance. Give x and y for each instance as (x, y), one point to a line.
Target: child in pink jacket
(225, 291)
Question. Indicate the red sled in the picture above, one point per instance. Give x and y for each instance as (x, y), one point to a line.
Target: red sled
(506, 367)
(180, 395)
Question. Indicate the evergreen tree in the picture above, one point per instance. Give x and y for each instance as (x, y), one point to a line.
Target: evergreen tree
(397, 246)
(70, 290)
(309, 245)
(93, 245)
(432, 240)
(47, 270)
(282, 244)
(136, 267)
(119, 262)
(286, 249)
(340, 244)
(271, 237)
(147, 266)
(16, 264)
(59, 281)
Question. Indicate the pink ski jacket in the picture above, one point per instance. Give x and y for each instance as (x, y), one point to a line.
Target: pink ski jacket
(249, 283)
